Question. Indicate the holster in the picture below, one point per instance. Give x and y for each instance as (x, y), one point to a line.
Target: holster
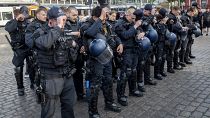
(41, 97)
(40, 92)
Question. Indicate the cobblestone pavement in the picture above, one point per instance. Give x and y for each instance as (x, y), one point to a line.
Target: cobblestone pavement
(183, 94)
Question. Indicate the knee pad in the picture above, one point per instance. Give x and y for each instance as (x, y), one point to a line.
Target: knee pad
(164, 57)
(18, 70)
(123, 77)
(134, 71)
(94, 90)
(159, 59)
(128, 72)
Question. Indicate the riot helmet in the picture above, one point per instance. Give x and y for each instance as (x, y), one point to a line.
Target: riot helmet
(101, 51)
(152, 35)
(197, 32)
(144, 43)
(171, 37)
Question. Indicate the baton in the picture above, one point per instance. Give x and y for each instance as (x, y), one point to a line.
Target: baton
(11, 45)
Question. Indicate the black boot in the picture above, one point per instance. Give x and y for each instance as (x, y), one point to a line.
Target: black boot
(150, 82)
(94, 115)
(21, 92)
(170, 70)
(111, 106)
(192, 56)
(178, 67)
(136, 93)
(182, 64)
(163, 74)
(141, 87)
(19, 79)
(123, 101)
(93, 102)
(158, 77)
(188, 61)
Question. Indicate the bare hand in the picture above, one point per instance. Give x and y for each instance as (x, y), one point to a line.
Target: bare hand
(141, 35)
(61, 21)
(120, 49)
(137, 24)
(104, 12)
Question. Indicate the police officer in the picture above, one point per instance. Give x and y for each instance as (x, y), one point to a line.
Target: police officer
(38, 22)
(187, 21)
(116, 61)
(197, 18)
(148, 20)
(16, 28)
(99, 72)
(127, 30)
(175, 26)
(72, 25)
(55, 64)
(142, 53)
(179, 32)
(161, 28)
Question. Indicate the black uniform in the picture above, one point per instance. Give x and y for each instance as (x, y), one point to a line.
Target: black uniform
(78, 76)
(187, 22)
(160, 50)
(173, 53)
(16, 30)
(29, 40)
(127, 34)
(198, 19)
(100, 75)
(54, 59)
(144, 66)
(116, 60)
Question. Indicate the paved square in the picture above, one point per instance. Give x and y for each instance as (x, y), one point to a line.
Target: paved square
(183, 94)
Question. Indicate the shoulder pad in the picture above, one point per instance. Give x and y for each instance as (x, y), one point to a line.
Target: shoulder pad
(184, 18)
(171, 16)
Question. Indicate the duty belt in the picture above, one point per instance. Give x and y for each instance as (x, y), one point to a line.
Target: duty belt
(58, 72)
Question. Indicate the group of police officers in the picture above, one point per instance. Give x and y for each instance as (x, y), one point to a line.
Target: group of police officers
(59, 49)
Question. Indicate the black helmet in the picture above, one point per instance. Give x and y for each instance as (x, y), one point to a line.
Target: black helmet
(24, 10)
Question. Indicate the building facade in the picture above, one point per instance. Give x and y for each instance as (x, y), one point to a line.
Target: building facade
(202, 3)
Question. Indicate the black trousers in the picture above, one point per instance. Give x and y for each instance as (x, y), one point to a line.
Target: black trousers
(58, 89)
(159, 58)
(100, 77)
(128, 72)
(78, 77)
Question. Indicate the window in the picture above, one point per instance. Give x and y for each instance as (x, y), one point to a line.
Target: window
(7, 15)
(203, 4)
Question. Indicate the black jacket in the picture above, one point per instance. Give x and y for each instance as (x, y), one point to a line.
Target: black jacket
(126, 32)
(16, 30)
(174, 24)
(30, 36)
